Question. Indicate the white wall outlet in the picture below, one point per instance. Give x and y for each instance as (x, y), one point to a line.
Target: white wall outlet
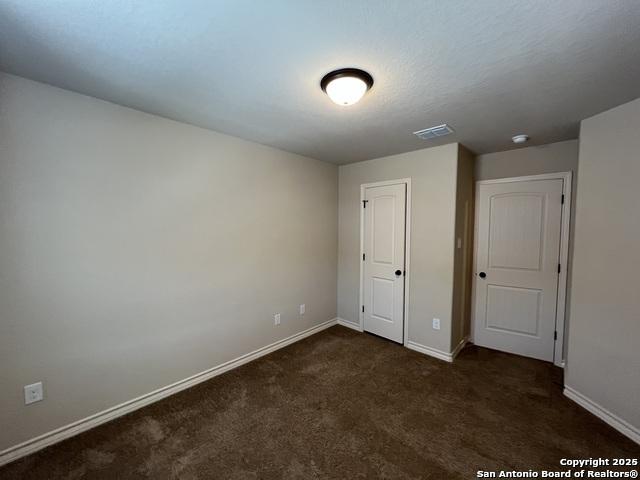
(276, 319)
(436, 324)
(33, 393)
(302, 309)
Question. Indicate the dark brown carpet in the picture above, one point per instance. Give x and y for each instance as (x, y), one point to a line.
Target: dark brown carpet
(343, 405)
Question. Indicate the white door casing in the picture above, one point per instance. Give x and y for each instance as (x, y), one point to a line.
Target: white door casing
(384, 235)
(519, 225)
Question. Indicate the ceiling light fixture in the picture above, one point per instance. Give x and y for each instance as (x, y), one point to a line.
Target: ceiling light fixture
(520, 139)
(347, 85)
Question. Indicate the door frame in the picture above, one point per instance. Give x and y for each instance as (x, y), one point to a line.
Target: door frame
(561, 301)
(407, 250)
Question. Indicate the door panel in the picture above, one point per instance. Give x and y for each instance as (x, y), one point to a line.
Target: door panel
(384, 250)
(518, 250)
(514, 310)
(383, 211)
(382, 298)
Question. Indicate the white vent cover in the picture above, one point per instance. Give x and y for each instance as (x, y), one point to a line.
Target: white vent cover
(434, 132)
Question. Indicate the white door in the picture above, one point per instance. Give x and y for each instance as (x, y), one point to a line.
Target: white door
(517, 265)
(384, 260)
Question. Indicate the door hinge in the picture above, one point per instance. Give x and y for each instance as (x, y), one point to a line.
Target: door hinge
(562, 201)
(362, 308)
(555, 335)
(364, 203)
(363, 256)
(559, 268)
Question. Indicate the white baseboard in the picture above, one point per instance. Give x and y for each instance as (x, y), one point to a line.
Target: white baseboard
(603, 414)
(440, 354)
(346, 323)
(55, 436)
(432, 352)
(459, 347)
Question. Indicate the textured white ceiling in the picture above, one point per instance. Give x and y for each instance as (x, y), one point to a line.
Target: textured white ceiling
(489, 68)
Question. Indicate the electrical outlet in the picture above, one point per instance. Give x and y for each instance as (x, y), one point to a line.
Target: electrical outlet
(302, 309)
(276, 319)
(33, 393)
(459, 242)
(436, 324)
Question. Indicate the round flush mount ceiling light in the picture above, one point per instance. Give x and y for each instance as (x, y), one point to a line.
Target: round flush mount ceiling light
(347, 85)
(520, 139)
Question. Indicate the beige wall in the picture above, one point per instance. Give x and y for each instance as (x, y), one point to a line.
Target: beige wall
(433, 184)
(603, 360)
(136, 251)
(463, 261)
(551, 158)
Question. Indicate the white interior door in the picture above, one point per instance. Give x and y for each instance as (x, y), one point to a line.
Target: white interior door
(384, 260)
(517, 265)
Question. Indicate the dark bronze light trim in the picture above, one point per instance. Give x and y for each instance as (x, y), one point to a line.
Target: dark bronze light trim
(346, 72)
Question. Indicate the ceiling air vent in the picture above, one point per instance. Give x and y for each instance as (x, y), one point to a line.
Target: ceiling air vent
(434, 132)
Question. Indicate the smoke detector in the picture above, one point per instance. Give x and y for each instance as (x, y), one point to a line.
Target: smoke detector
(517, 139)
(434, 132)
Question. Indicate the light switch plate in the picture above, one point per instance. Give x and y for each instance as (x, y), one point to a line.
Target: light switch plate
(303, 308)
(276, 319)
